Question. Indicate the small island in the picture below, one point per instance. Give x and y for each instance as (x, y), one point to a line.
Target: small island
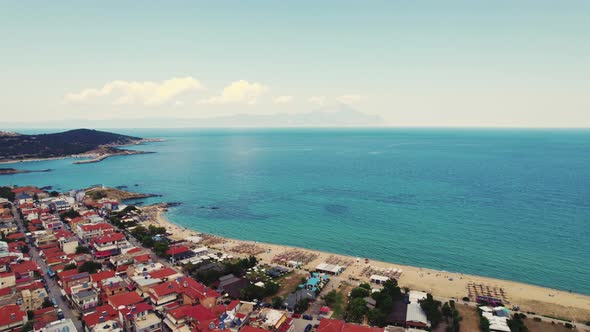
(79, 143)
(9, 171)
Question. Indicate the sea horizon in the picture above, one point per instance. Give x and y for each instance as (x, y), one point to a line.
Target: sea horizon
(419, 195)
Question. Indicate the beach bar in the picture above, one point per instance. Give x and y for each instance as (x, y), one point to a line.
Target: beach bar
(377, 279)
(329, 268)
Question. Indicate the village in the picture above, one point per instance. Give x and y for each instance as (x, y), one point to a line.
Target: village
(77, 261)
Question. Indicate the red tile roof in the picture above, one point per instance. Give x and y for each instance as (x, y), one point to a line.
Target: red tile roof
(163, 273)
(27, 189)
(142, 258)
(221, 308)
(63, 274)
(102, 275)
(95, 227)
(330, 325)
(175, 250)
(93, 318)
(5, 291)
(198, 313)
(134, 250)
(133, 310)
(15, 236)
(24, 267)
(10, 314)
(125, 299)
(112, 237)
(186, 286)
(333, 325)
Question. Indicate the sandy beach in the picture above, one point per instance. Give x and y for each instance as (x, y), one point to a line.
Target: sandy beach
(530, 298)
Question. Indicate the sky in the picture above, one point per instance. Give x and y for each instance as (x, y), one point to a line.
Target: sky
(376, 63)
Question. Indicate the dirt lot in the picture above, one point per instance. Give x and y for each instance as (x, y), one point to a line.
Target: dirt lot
(470, 321)
(545, 327)
(289, 283)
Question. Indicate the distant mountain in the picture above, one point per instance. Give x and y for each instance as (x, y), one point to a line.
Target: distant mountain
(72, 142)
(329, 116)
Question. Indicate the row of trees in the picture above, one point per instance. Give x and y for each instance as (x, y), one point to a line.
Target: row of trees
(432, 310)
(452, 316)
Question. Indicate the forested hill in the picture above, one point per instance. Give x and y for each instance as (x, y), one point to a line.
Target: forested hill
(16, 146)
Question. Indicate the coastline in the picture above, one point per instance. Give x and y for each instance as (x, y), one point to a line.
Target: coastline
(530, 298)
(91, 156)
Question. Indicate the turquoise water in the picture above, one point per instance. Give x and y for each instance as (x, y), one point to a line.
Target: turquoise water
(511, 204)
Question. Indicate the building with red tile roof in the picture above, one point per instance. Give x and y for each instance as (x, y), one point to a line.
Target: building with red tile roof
(102, 313)
(15, 236)
(186, 289)
(143, 258)
(98, 277)
(25, 269)
(88, 231)
(334, 325)
(165, 273)
(193, 316)
(12, 317)
(124, 299)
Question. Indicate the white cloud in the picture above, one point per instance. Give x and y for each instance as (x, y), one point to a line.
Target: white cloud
(238, 92)
(132, 92)
(283, 99)
(317, 100)
(348, 99)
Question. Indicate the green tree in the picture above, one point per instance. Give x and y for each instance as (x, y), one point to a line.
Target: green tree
(302, 306)
(70, 214)
(330, 298)
(252, 292)
(359, 292)
(277, 302)
(71, 266)
(90, 267)
(365, 286)
(431, 308)
(357, 309)
(82, 250)
(377, 317)
(47, 303)
(484, 324)
(516, 324)
(6, 192)
(54, 194)
(160, 249)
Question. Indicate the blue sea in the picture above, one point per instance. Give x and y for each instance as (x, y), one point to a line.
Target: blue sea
(511, 204)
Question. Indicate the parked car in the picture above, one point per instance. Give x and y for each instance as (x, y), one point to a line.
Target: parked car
(296, 316)
(307, 328)
(307, 317)
(60, 314)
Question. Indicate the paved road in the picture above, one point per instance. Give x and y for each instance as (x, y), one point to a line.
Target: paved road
(54, 289)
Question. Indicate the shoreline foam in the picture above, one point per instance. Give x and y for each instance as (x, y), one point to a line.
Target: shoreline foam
(530, 298)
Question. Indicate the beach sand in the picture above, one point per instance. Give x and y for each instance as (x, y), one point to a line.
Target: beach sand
(530, 298)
